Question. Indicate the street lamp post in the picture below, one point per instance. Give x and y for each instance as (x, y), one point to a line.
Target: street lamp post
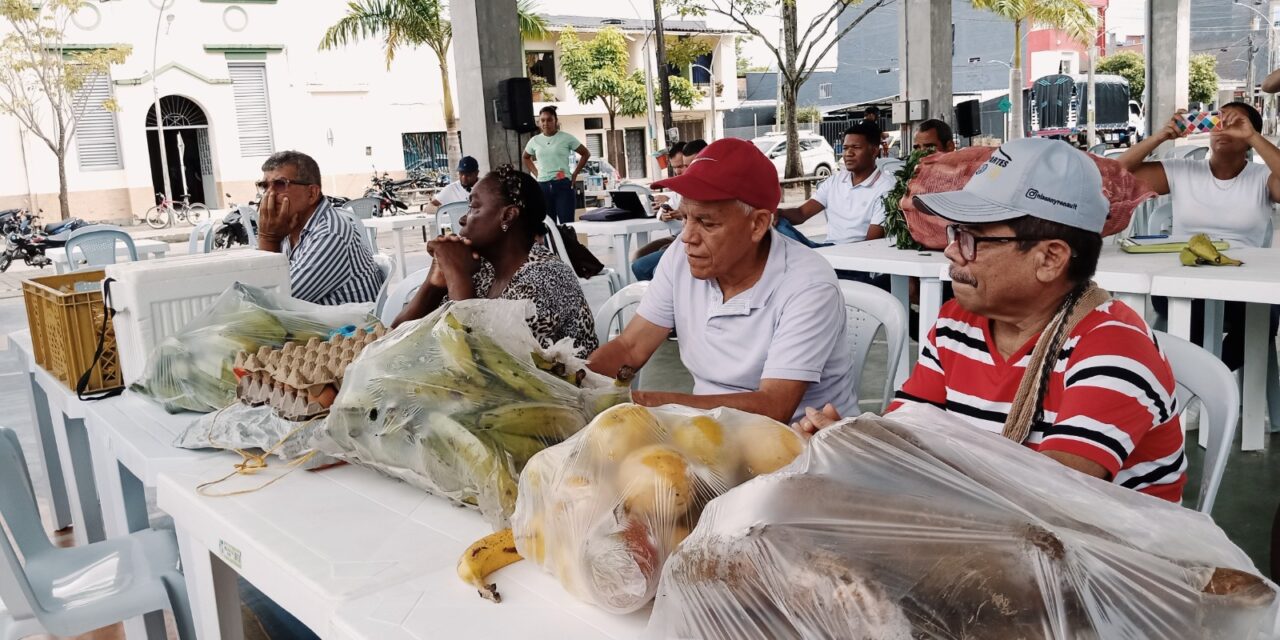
(1271, 42)
(714, 118)
(155, 90)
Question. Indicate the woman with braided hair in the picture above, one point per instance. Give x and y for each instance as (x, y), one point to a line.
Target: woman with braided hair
(496, 256)
(1030, 348)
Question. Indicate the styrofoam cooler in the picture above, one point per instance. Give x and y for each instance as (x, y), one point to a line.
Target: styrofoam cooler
(155, 299)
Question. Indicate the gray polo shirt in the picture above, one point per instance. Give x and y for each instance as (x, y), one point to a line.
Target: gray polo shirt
(789, 326)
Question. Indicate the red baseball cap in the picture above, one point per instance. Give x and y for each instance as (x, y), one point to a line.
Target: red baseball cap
(729, 169)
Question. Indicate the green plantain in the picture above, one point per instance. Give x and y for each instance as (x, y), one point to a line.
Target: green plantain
(452, 337)
(533, 420)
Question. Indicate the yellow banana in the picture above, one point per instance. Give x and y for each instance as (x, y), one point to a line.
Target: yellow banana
(533, 420)
(520, 377)
(1188, 258)
(1202, 247)
(520, 448)
(483, 557)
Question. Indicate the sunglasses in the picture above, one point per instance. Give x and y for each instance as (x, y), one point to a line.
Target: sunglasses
(279, 184)
(968, 243)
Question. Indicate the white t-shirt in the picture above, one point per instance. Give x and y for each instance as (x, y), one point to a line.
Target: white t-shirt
(852, 208)
(453, 192)
(789, 326)
(1236, 210)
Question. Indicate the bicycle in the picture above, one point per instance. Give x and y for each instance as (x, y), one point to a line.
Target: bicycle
(168, 212)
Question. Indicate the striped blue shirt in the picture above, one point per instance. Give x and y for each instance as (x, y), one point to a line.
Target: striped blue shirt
(332, 263)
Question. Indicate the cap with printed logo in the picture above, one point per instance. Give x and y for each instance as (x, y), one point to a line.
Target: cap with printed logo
(1038, 177)
(729, 169)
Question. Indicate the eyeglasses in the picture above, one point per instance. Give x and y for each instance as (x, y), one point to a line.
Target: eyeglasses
(279, 184)
(968, 243)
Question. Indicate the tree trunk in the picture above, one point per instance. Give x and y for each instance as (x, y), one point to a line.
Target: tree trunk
(64, 200)
(615, 148)
(664, 82)
(1015, 85)
(453, 141)
(790, 78)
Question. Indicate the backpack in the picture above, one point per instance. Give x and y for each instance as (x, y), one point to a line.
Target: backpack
(584, 263)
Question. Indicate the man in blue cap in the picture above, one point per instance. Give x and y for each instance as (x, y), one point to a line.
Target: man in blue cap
(459, 190)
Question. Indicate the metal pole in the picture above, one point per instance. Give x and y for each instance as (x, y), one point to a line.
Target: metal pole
(155, 90)
(1092, 126)
(648, 89)
(712, 73)
(1249, 74)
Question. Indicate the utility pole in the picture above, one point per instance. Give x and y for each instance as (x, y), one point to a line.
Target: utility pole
(664, 83)
(1092, 126)
(1249, 73)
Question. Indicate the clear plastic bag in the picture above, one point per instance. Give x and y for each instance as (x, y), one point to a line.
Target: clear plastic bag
(920, 526)
(456, 403)
(192, 369)
(241, 426)
(603, 510)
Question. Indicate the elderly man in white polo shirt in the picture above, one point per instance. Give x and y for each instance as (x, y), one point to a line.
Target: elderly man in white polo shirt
(760, 316)
(853, 198)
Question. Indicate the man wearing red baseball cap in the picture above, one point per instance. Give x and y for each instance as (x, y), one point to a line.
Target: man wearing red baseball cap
(760, 316)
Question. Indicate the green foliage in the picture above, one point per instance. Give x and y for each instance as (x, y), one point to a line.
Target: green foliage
(1202, 78)
(597, 70)
(808, 114)
(1129, 65)
(743, 63)
(683, 92)
(683, 51)
(895, 221)
(1075, 17)
(413, 23)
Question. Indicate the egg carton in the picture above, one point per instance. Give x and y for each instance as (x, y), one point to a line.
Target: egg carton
(299, 380)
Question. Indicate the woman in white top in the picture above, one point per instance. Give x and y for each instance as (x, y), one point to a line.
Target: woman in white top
(1226, 196)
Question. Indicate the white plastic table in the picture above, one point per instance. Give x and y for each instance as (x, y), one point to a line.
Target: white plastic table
(878, 256)
(534, 607)
(146, 248)
(1256, 283)
(347, 540)
(397, 225)
(622, 230)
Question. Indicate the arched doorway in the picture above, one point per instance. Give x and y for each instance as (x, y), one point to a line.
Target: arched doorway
(190, 158)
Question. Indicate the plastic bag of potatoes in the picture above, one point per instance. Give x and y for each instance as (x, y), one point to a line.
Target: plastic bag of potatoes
(603, 510)
(457, 402)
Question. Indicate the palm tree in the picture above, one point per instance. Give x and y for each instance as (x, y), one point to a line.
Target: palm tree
(411, 23)
(1075, 17)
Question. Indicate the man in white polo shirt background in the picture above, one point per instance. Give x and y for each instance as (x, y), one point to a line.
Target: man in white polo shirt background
(853, 198)
(760, 316)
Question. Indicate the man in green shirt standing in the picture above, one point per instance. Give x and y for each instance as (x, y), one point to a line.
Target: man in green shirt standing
(547, 156)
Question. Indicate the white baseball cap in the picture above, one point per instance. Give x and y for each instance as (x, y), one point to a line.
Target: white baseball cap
(1038, 177)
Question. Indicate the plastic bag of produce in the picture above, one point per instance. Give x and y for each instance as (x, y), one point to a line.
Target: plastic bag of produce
(456, 403)
(920, 526)
(192, 369)
(603, 510)
(247, 428)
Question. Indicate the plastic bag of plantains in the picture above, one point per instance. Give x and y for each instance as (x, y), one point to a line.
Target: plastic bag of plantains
(918, 525)
(603, 510)
(456, 403)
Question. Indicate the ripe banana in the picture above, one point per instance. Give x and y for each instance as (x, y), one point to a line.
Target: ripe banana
(483, 557)
(533, 420)
(1200, 250)
(520, 448)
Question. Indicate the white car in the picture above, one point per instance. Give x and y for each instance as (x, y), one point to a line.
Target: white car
(817, 158)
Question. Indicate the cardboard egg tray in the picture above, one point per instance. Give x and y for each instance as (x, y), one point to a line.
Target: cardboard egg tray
(299, 381)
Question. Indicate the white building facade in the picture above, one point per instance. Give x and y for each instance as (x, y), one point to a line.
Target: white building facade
(237, 81)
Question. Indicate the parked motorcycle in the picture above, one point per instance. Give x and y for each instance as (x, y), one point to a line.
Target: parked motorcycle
(232, 230)
(25, 239)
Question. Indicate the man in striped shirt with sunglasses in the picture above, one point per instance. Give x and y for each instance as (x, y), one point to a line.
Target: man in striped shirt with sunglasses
(329, 260)
(1100, 397)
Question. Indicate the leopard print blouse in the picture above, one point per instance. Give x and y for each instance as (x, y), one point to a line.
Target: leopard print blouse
(553, 287)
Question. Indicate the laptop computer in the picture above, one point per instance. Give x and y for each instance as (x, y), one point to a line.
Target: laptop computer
(627, 205)
(631, 202)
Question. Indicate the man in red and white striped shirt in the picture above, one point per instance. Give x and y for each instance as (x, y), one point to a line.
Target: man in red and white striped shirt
(1022, 253)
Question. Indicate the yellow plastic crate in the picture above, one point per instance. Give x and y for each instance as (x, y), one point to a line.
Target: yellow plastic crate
(65, 325)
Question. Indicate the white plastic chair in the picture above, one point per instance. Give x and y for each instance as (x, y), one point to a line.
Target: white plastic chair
(400, 295)
(557, 245)
(1098, 149)
(618, 309)
(1160, 219)
(370, 234)
(1199, 374)
(97, 245)
(387, 265)
(71, 591)
(196, 242)
(363, 208)
(447, 216)
(867, 309)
